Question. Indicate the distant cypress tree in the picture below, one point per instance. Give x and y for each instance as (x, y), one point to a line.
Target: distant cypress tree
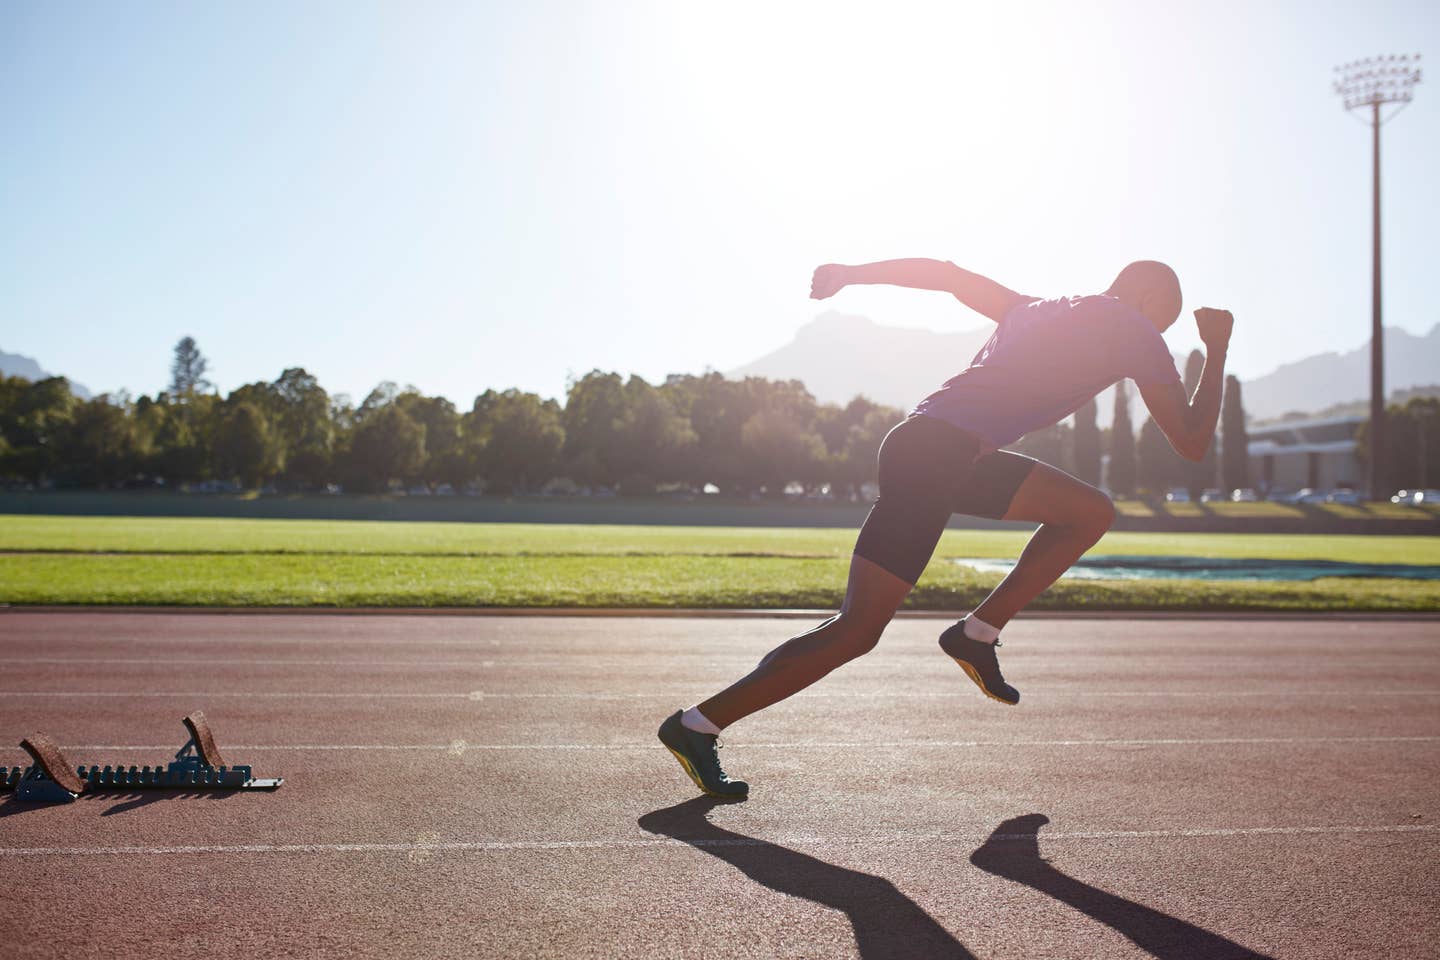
(187, 371)
(1234, 457)
(1122, 446)
(1157, 466)
(1199, 476)
(1087, 444)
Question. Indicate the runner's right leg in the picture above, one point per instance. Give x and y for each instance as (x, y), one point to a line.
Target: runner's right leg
(871, 599)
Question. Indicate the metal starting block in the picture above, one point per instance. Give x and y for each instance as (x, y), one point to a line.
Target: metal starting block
(198, 765)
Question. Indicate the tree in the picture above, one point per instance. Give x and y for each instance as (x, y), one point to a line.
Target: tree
(717, 410)
(1414, 429)
(34, 422)
(1048, 444)
(305, 426)
(1158, 467)
(1234, 450)
(98, 446)
(858, 461)
(777, 448)
(388, 445)
(518, 439)
(187, 371)
(245, 445)
(1198, 475)
(594, 406)
(652, 440)
(1087, 444)
(1122, 446)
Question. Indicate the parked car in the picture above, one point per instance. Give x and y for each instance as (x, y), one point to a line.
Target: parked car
(1177, 495)
(1211, 496)
(1245, 495)
(1347, 497)
(1416, 496)
(1280, 496)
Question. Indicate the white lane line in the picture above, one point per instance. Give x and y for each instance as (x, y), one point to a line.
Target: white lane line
(163, 662)
(458, 747)
(963, 693)
(886, 839)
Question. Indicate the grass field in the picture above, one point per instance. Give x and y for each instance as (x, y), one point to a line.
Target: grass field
(228, 562)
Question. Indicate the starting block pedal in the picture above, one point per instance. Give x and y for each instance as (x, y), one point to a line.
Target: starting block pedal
(198, 765)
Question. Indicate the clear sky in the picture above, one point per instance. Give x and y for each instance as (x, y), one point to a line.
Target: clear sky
(474, 195)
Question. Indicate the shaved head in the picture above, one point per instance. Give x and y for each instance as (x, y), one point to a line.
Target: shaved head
(1150, 287)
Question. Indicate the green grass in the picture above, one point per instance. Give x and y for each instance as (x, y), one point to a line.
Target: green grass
(231, 562)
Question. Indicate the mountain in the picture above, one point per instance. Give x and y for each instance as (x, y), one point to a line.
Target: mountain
(1329, 379)
(15, 365)
(838, 356)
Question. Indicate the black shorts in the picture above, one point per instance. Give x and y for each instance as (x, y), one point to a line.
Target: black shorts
(930, 469)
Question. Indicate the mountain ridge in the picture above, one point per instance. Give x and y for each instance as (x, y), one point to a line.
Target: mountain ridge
(834, 355)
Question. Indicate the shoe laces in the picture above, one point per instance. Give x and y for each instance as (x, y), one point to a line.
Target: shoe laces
(717, 746)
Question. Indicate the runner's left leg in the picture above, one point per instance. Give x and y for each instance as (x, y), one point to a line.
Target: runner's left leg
(1072, 515)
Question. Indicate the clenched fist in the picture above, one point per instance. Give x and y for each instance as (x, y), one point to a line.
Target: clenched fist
(1214, 326)
(827, 281)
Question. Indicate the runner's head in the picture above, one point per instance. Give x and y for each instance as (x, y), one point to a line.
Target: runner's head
(1152, 288)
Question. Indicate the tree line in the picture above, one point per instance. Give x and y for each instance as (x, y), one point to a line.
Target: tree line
(625, 434)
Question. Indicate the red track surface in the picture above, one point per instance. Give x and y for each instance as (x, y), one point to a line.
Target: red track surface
(491, 787)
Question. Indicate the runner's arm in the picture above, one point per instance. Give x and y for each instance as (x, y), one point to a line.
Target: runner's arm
(980, 294)
(1190, 425)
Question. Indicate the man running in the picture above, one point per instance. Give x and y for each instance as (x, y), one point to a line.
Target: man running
(1045, 359)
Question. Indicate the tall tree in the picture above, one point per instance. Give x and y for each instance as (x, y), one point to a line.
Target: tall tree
(1048, 444)
(1122, 445)
(1234, 455)
(187, 371)
(1198, 475)
(1157, 467)
(1087, 444)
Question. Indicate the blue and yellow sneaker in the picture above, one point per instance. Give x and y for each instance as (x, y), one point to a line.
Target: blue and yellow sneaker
(699, 756)
(979, 662)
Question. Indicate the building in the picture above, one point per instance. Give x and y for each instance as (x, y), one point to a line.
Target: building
(1321, 453)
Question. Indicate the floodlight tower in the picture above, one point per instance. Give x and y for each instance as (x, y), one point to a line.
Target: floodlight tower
(1366, 86)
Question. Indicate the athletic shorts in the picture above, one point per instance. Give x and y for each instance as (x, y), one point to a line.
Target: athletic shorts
(929, 469)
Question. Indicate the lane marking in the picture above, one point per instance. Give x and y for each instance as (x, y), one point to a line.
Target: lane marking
(458, 747)
(260, 662)
(501, 846)
(683, 692)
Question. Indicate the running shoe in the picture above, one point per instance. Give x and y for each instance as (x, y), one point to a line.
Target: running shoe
(979, 662)
(699, 756)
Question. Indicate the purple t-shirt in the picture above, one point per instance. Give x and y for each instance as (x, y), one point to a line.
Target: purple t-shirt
(1044, 360)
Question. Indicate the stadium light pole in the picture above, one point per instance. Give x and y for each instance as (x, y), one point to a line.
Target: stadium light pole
(1366, 86)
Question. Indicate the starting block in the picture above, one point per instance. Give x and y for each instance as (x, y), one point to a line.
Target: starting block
(198, 765)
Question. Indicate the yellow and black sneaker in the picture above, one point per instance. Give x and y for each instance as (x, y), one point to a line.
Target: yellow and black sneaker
(979, 662)
(699, 756)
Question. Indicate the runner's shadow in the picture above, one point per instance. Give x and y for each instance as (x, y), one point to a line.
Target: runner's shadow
(886, 922)
(1013, 852)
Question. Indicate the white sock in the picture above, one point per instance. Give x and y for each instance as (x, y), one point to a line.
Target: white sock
(977, 629)
(693, 719)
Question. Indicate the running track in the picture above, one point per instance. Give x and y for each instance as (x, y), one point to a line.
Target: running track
(491, 787)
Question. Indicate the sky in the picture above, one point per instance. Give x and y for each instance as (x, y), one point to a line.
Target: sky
(464, 196)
